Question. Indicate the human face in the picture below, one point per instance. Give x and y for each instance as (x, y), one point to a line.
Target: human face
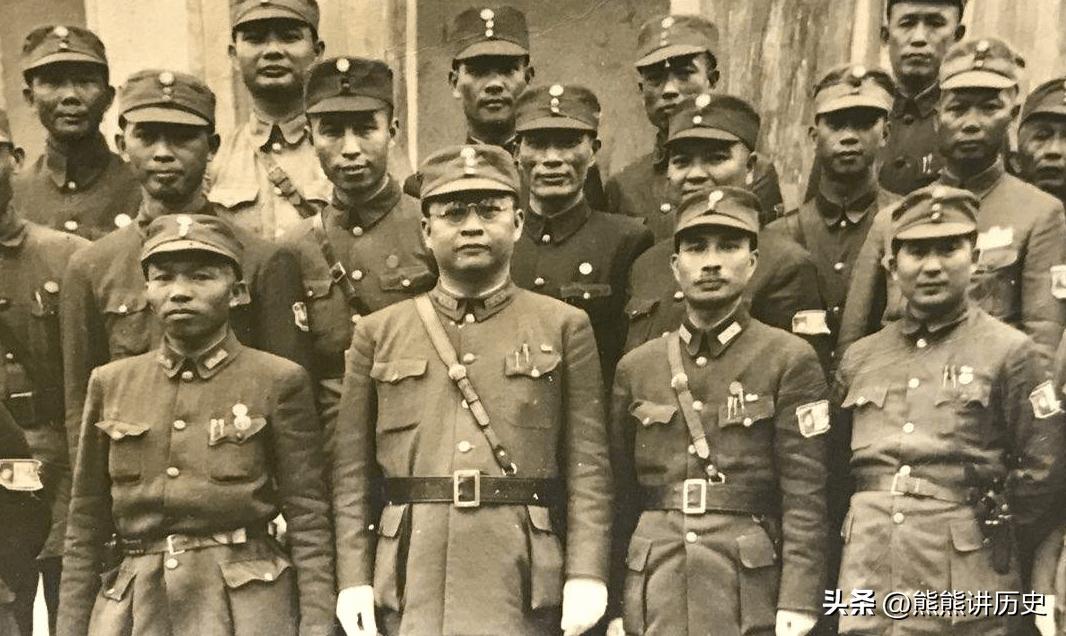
(555, 162)
(191, 292)
(488, 87)
(918, 35)
(1042, 152)
(169, 160)
(466, 245)
(712, 265)
(972, 124)
(933, 274)
(666, 85)
(848, 141)
(353, 148)
(697, 165)
(273, 56)
(70, 98)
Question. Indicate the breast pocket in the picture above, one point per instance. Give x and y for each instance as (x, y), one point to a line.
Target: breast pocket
(127, 448)
(745, 427)
(995, 286)
(328, 316)
(639, 313)
(129, 324)
(236, 448)
(594, 298)
(866, 402)
(399, 385)
(534, 384)
(969, 398)
(414, 279)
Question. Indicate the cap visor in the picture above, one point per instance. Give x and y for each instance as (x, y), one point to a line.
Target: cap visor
(550, 123)
(935, 230)
(162, 115)
(1058, 110)
(492, 48)
(348, 104)
(714, 220)
(64, 56)
(174, 247)
(977, 79)
(270, 13)
(699, 132)
(466, 185)
(667, 52)
(852, 101)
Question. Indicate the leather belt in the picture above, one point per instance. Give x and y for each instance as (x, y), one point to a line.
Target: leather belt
(699, 496)
(178, 543)
(471, 489)
(912, 487)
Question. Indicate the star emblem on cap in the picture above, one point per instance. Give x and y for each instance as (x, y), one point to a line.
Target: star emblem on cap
(858, 72)
(983, 46)
(184, 223)
(343, 65)
(469, 155)
(667, 22)
(166, 78)
(703, 100)
(556, 90)
(713, 198)
(61, 32)
(487, 14)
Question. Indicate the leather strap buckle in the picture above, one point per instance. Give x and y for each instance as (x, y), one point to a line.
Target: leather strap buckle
(466, 488)
(909, 486)
(171, 550)
(694, 497)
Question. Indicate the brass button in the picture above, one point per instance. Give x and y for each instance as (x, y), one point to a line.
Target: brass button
(357, 275)
(691, 449)
(173, 471)
(546, 239)
(464, 446)
(357, 231)
(922, 343)
(70, 226)
(405, 282)
(277, 191)
(276, 146)
(898, 518)
(697, 406)
(701, 361)
(679, 295)
(908, 427)
(468, 358)
(904, 471)
(10, 357)
(186, 375)
(469, 318)
(179, 425)
(691, 537)
(914, 383)
(538, 281)
(171, 563)
(838, 266)
(72, 186)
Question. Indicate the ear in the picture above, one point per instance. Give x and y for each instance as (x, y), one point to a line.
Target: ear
(453, 81)
(1015, 110)
(231, 51)
(18, 155)
(713, 76)
(891, 264)
(320, 49)
(597, 143)
(120, 145)
(673, 267)
(960, 32)
(423, 223)
(753, 261)
(110, 98)
(213, 142)
(812, 133)
(640, 86)
(27, 95)
(240, 294)
(753, 160)
(530, 73)
(884, 34)
(519, 223)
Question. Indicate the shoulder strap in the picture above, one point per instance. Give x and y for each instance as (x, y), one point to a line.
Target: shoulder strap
(281, 180)
(337, 271)
(679, 382)
(457, 372)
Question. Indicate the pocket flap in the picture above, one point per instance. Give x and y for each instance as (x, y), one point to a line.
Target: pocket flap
(235, 431)
(978, 391)
(640, 307)
(239, 573)
(861, 395)
(318, 288)
(231, 196)
(124, 302)
(540, 363)
(966, 536)
(392, 371)
(115, 588)
(756, 550)
(760, 408)
(413, 278)
(539, 518)
(117, 430)
(391, 519)
(584, 291)
(648, 413)
(637, 555)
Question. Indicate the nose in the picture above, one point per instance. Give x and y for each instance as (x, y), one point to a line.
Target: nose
(494, 83)
(162, 152)
(553, 158)
(178, 291)
(919, 36)
(671, 88)
(352, 146)
(932, 265)
(1056, 149)
(849, 137)
(698, 174)
(68, 94)
(272, 47)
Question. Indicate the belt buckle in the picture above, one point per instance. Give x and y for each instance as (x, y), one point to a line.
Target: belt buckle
(896, 490)
(170, 546)
(461, 478)
(687, 505)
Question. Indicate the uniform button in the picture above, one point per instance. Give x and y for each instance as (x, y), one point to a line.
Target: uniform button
(469, 318)
(464, 446)
(357, 231)
(748, 421)
(538, 281)
(908, 427)
(546, 239)
(72, 186)
(665, 207)
(357, 274)
(277, 191)
(179, 425)
(51, 287)
(585, 268)
(836, 309)
(691, 449)
(843, 224)
(913, 383)
(701, 361)
(922, 343)
(71, 226)
(9, 356)
(697, 406)
(276, 146)
(171, 563)
(690, 537)
(186, 375)
(468, 358)
(898, 518)
(839, 267)
(904, 471)
(860, 401)
(586, 296)
(679, 295)
(173, 471)
(405, 282)
(267, 576)
(122, 309)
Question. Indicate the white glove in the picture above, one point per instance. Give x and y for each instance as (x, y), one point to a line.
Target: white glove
(584, 602)
(1046, 624)
(355, 607)
(790, 623)
(615, 628)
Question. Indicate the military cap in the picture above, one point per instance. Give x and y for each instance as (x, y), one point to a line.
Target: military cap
(1047, 99)
(5, 129)
(853, 86)
(489, 31)
(663, 37)
(935, 211)
(52, 44)
(715, 116)
(244, 11)
(167, 97)
(172, 233)
(557, 106)
(722, 207)
(348, 84)
(960, 4)
(469, 167)
(984, 63)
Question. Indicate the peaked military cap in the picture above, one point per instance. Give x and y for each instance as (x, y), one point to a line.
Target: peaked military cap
(961, 4)
(489, 31)
(1047, 99)
(557, 106)
(5, 129)
(853, 86)
(721, 207)
(348, 84)
(53, 44)
(167, 97)
(664, 37)
(984, 63)
(468, 167)
(244, 11)
(935, 211)
(716, 116)
(173, 233)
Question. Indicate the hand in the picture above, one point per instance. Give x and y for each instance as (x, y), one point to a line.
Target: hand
(355, 607)
(615, 628)
(1046, 624)
(790, 623)
(278, 529)
(584, 602)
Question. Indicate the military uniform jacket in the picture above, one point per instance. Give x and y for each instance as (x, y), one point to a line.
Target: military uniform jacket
(583, 256)
(32, 260)
(88, 195)
(496, 569)
(239, 181)
(379, 243)
(1022, 239)
(719, 573)
(924, 402)
(198, 446)
(106, 315)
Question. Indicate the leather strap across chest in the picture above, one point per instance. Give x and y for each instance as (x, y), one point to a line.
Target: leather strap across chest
(689, 410)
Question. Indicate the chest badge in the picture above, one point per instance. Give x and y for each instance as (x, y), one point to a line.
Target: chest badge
(241, 421)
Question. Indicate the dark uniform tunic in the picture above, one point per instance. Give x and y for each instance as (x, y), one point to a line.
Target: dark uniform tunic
(719, 573)
(106, 314)
(583, 256)
(89, 195)
(1022, 236)
(163, 451)
(494, 569)
(924, 402)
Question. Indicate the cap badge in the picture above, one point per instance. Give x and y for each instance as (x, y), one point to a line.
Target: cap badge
(983, 46)
(469, 155)
(667, 22)
(697, 120)
(343, 64)
(184, 223)
(487, 14)
(703, 101)
(858, 72)
(61, 32)
(166, 78)
(713, 198)
(556, 90)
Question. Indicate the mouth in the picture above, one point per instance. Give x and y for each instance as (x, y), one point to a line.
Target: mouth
(930, 287)
(970, 145)
(179, 314)
(1051, 171)
(710, 284)
(848, 155)
(164, 175)
(917, 58)
(552, 179)
(70, 118)
(353, 171)
(666, 110)
(472, 248)
(274, 71)
(494, 103)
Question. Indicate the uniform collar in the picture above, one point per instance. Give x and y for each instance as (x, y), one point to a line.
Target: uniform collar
(923, 104)
(206, 364)
(716, 340)
(936, 326)
(262, 131)
(81, 167)
(481, 309)
(557, 227)
(980, 184)
(367, 213)
(853, 209)
(12, 228)
(199, 206)
(510, 145)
